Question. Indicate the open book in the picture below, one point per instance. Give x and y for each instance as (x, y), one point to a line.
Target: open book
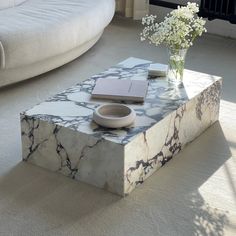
(116, 89)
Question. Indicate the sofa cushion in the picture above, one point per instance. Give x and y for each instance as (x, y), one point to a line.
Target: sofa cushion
(41, 29)
(10, 3)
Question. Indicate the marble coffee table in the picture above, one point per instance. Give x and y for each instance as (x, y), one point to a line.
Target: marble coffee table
(59, 134)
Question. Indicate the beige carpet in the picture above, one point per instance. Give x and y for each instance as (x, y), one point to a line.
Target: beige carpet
(194, 194)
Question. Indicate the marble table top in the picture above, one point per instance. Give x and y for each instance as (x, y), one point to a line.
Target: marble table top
(73, 108)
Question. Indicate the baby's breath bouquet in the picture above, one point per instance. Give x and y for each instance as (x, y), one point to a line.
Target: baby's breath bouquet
(177, 32)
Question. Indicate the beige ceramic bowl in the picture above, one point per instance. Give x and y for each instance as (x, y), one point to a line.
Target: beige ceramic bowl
(114, 115)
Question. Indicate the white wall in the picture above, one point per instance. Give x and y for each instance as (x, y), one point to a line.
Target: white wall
(219, 27)
(132, 8)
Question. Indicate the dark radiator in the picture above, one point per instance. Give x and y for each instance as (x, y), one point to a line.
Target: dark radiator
(219, 9)
(211, 9)
(167, 4)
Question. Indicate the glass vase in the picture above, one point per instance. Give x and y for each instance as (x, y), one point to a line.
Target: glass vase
(176, 65)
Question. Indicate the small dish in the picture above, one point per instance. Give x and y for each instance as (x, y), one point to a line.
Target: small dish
(114, 115)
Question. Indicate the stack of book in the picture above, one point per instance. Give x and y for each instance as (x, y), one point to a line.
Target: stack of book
(124, 90)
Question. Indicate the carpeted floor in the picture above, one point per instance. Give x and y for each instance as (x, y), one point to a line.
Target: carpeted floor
(194, 194)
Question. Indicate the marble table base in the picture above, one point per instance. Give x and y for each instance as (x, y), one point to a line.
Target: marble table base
(117, 166)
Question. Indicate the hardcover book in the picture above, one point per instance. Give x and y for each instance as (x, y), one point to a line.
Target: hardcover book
(157, 69)
(116, 89)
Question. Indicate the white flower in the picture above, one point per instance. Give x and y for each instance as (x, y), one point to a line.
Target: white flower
(178, 30)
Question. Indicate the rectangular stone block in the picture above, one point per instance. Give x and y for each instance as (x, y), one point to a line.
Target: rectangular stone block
(59, 134)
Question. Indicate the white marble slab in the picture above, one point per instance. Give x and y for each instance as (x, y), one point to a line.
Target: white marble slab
(59, 134)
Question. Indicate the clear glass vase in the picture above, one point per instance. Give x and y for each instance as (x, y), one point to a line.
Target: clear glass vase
(176, 65)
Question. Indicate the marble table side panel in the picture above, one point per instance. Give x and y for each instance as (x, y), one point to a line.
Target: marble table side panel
(103, 166)
(77, 155)
(38, 138)
(152, 149)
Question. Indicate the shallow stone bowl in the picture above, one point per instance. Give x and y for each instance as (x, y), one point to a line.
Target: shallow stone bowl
(114, 115)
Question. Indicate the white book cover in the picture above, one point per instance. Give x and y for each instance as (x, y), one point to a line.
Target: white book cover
(116, 89)
(157, 69)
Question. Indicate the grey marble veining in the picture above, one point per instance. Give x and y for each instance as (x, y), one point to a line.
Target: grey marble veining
(59, 134)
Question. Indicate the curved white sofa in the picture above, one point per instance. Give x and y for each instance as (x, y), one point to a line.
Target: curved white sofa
(39, 35)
